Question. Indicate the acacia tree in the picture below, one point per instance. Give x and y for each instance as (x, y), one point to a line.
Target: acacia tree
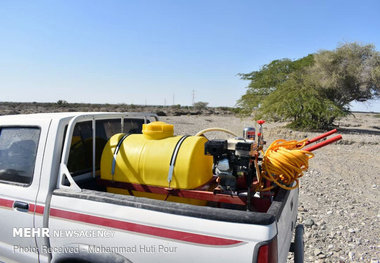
(351, 72)
(200, 105)
(315, 90)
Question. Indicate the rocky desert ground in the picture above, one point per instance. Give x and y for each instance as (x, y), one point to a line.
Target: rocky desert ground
(339, 195)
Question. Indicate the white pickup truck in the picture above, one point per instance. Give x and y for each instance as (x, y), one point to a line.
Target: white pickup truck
(52, 208)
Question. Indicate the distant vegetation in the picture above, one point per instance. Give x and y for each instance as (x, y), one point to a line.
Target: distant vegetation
(313, 91)
(200, 105)
(64, 106)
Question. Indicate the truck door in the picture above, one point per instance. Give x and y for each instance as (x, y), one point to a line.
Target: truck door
(21, 156)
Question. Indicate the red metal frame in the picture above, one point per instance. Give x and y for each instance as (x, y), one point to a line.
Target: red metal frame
(260, 205)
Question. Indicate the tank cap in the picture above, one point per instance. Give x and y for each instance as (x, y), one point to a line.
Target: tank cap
(157, 130)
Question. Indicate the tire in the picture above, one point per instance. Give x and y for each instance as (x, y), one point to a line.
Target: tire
(299, 244)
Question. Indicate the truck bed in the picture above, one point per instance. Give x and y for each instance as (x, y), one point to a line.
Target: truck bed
(205, 212)
(281, 216)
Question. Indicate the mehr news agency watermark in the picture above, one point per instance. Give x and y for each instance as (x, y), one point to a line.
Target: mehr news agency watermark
(27, 232)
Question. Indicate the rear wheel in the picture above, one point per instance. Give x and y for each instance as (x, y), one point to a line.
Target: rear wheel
(299, 244)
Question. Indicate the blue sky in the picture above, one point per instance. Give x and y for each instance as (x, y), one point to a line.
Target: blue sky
(153, 51)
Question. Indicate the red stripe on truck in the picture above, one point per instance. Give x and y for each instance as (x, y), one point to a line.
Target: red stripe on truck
(38, 209)
(128, 226)
(6, 203)
(144, 229)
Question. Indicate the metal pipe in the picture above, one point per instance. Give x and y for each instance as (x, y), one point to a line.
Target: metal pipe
(324, 143)
(319, 137)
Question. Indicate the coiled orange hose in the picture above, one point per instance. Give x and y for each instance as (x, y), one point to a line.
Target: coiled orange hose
(284, 163)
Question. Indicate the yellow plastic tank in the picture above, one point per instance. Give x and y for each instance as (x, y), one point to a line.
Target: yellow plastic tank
(145, 159)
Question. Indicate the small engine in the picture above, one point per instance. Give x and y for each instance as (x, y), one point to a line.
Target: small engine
(233, 163)
(236, 161)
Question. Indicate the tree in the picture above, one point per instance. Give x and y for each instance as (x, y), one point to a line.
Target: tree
(298, 100)
(200, 105)
(313, 91)
(268, 79)
(351, 72)
(62, 102)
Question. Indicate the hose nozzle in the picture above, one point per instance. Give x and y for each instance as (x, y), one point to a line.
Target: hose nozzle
(260, 138)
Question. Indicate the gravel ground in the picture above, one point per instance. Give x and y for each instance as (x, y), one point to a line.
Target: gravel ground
(339, 195)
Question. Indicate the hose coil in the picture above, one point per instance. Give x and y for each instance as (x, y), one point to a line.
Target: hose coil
(284, 163)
